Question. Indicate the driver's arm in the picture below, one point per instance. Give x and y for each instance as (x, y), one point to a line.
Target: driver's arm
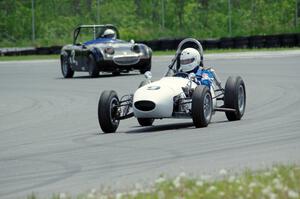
(216, 78)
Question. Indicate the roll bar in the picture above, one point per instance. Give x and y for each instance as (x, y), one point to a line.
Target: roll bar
(179, 50)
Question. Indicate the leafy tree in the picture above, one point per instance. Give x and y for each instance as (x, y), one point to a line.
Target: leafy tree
(142, 19)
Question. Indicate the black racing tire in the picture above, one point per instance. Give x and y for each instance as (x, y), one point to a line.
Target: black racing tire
(201, 106)
(235, 98)
(92, 66)
(145, 121)
(107, 111)
(116, 73)
(146, 68)
(66, 69)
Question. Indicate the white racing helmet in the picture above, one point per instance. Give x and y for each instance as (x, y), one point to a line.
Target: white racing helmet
(189, 59)
(109, 33)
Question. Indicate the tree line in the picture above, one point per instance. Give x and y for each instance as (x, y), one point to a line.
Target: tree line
(54, 20)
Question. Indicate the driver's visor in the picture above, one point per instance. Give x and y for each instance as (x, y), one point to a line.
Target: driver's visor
(187, 61)
(109, 36)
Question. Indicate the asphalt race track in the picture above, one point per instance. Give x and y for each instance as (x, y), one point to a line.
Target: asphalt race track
(51, 142)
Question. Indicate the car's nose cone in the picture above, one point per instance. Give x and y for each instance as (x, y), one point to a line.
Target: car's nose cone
(126, 59)
(144, 105)
(153, 101)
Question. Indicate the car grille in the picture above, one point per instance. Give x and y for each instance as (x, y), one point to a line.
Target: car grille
(144, 105)
(128, 60)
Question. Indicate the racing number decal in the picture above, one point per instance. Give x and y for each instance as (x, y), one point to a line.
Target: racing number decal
(72, 58)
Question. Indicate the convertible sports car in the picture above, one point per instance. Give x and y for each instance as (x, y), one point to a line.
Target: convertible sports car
(176, 95)
(103, 52)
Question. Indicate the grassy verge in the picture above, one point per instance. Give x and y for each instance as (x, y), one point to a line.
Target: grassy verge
(156, 53)
(278, 182)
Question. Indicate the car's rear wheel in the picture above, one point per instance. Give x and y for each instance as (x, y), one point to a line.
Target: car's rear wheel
(92, 66)
(235, 98)
(66, 69)
(201, 106)
(108, 111)
(145, 121)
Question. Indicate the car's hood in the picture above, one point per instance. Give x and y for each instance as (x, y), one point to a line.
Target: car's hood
(120, 46)
(161, 95)
(173, 83)
(104, 41)
(167, 87)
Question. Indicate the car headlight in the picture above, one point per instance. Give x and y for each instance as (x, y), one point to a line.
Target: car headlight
(109, 50)
(136, 48)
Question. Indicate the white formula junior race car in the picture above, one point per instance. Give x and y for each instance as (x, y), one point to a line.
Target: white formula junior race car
(176, 95)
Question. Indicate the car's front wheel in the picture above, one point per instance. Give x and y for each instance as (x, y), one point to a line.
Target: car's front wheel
(108, 111)
(201, 106)
(235, 98)
(146, 68)
(93, 69)
(66, 69)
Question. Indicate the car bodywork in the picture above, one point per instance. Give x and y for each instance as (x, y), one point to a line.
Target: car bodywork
(176, 95)
(156, 99)
(104, 54)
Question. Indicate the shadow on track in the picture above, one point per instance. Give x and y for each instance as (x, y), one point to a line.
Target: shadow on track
(100, 76)
(166, 127)
(163, 127)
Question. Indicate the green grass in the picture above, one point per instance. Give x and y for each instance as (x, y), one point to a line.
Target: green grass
(156, 53)
(278, 182)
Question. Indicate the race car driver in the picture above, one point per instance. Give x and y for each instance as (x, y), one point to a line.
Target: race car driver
(190, 62)
(109, 33)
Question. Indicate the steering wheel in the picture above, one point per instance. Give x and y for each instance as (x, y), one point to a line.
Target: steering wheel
(181, 74)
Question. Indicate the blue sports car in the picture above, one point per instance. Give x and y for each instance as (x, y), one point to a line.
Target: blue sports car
(103, 51)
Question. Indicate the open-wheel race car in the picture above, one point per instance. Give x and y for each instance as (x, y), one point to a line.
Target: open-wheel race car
(103, 51)
(176, 95)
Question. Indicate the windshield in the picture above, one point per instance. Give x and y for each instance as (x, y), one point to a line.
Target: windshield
(87, 34)
(90, 32)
